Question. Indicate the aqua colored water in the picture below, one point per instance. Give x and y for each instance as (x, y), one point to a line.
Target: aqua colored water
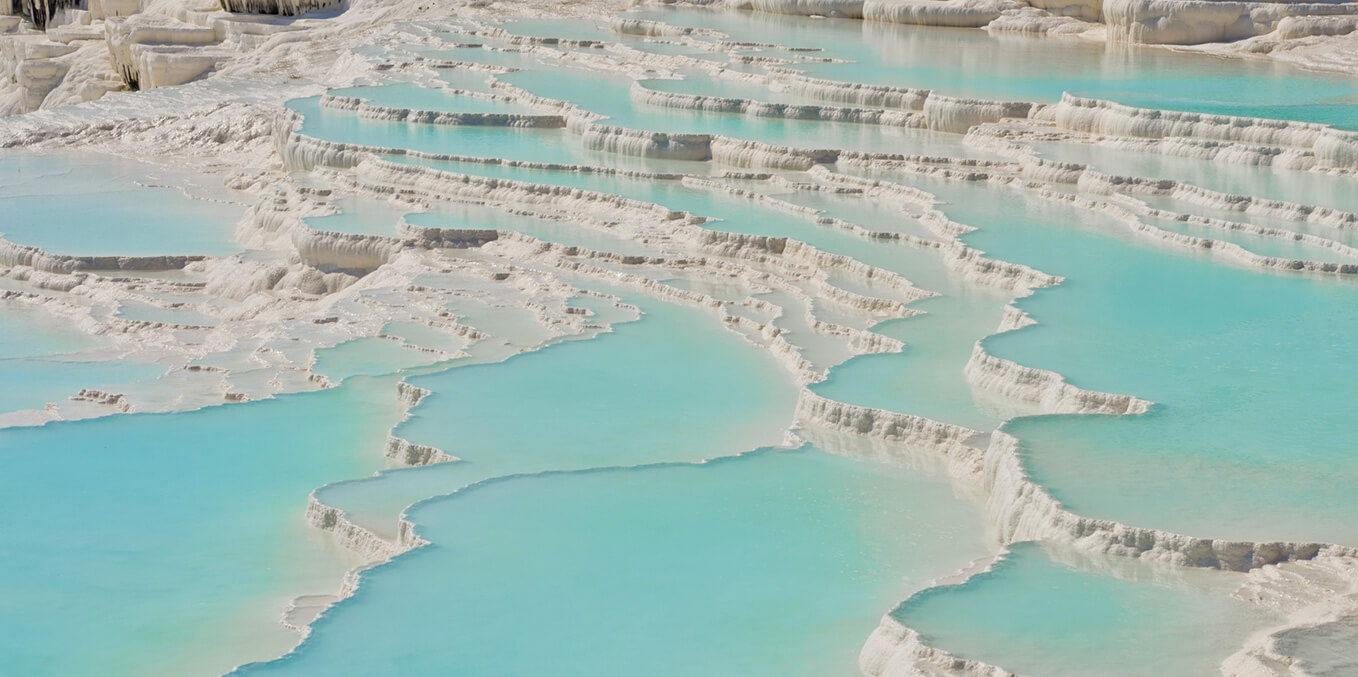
(32, 382)
(92, 205)
(1310, 188)
(673, 49)
(609, 96)
(628, 397)
(778, 562)
(581, 532)
(870, 214)
(1001, 65)
(1281, 247)
(1248, 369)
(927, 378)
(1046, 614)
(40, 361)
(1348, 237)
(135, 540)
(544, 145)
(366, 216)
(29, 332)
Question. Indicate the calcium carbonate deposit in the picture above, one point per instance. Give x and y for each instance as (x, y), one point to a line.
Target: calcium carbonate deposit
(697, 337)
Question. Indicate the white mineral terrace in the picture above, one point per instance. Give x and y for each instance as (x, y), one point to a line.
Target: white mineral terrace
(509, 221)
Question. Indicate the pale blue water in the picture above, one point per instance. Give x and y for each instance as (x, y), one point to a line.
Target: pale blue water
(365, 216)
(33, 382)
(40, 361)
(608, 95)
(778, 562)
(1046, 617)
(1309, 188)
(129, 549)
(697, 82)
(1249, 370)
(29, 332)
(1266, 245)
(540, 145)
(1349, 237)
(87, 204)
(671, 386)
(927, 378)
(976, 63)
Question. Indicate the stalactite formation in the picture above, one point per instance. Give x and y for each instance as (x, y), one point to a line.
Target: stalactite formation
(283, 7)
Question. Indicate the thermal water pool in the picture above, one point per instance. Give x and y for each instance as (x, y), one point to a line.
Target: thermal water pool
(144, 519)
(1248, 370)
(95, 205)
(627, 397)
(777, 562)
(1007, 66)
(1059, 612)
(42, 360)
(690, 562)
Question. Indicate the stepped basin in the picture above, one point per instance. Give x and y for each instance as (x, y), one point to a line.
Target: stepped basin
(926, 378)
(563, 232)
(676, 49)
(938, 344)
(701, 84)
(1248, 370)
(361, 215)
(1308, 188)
(776, 562)
(1050, 613)
(609, 95)
(1006, 66)
(625, 398)
(507, 56)
(1345, 236)
(866, 212)
(551, 145)
(1285, 247)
